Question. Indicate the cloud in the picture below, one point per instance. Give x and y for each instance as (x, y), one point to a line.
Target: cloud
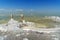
(2, 9)
(19, 9)
(31, 10)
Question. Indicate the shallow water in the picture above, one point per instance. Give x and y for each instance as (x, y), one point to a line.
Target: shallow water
(30, 35)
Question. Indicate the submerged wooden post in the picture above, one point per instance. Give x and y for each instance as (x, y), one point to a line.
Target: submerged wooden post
(11, 16)
(22, 18)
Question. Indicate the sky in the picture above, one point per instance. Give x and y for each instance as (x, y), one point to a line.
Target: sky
(35, 5)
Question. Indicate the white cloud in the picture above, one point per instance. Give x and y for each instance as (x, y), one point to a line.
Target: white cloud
(31, 10)
(19, 9)
(2, 9)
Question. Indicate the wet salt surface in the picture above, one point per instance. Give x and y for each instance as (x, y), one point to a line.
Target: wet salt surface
(28, 35)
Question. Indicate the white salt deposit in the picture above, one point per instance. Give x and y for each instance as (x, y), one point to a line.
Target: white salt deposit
(13, 25)
(18, 35)
(55, 18)
(25, 38)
